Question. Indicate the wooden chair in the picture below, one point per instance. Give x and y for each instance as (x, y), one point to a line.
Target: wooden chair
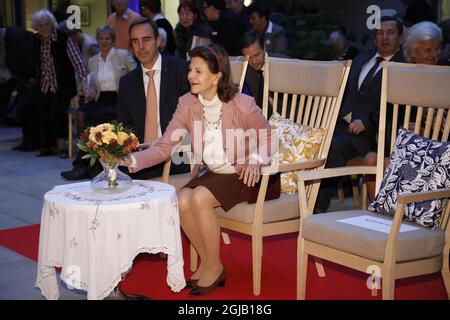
(315, 90)
(396, 255)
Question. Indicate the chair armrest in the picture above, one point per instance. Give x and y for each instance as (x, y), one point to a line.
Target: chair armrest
(335, 172)
(303, 165)
(406, 198)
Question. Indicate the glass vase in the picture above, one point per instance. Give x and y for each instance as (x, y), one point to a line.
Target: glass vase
(111, 180)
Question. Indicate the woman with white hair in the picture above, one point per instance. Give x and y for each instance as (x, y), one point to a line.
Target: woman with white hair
(57, 58)
(422, 43)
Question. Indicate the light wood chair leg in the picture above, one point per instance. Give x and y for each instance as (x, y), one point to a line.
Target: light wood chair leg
(355, 190)
(446, 270)
(388, 285)
(302, 271)
(193, 258)
(319, 267)
(226, 238)
(364, 196)
(256, 263)
(340, 195)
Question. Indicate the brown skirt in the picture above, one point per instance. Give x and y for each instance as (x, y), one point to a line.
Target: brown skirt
(229, 190)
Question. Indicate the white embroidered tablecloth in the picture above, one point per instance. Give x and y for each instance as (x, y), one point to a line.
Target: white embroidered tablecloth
(95, 237)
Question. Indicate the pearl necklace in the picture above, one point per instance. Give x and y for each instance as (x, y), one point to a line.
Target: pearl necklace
(212, 124)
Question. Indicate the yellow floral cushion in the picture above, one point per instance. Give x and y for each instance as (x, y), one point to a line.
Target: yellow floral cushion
(297, 142)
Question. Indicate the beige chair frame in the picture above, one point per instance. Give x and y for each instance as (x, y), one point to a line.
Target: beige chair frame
(435, 89)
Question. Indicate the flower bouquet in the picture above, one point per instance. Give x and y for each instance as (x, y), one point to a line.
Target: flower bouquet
(110, 143)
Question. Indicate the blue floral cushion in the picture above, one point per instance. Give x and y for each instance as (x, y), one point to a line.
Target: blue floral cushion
(416, 164)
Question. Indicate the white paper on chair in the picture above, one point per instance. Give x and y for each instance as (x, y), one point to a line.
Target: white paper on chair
(376, 224)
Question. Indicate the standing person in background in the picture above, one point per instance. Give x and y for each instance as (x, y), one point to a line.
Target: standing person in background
(239, 9)
(120, 21)
(226, 26)
(191, 29)
(152, 10)
(57, 59)
(17, 64)
(272, 35)
(342, 50)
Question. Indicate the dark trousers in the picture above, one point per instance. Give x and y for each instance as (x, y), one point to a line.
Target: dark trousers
(53, 115)
(344, 147)
(28, 114)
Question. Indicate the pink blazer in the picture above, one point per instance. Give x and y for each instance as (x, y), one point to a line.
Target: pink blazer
(243, 126)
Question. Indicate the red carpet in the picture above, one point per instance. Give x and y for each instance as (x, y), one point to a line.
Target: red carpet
(278, 272)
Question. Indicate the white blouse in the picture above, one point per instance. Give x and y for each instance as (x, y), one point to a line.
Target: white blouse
(213, 154)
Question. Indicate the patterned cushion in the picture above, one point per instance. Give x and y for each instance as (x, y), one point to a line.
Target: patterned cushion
(297, 142)
(416, 164)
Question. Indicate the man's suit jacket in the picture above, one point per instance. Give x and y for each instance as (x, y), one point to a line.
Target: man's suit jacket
(364, 107)
(131, 101)
(276, 41)
(122, 63)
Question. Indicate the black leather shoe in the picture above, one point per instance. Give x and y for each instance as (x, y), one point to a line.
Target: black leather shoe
(46, 153)
(24, 147)
(77, 173)
(201, 291)
(118, 294)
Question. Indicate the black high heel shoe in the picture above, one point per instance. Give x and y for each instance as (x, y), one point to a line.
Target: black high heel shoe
(191, 283)
(201, 291)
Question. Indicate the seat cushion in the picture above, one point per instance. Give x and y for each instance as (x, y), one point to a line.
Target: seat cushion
(284, 208)
(324, 229)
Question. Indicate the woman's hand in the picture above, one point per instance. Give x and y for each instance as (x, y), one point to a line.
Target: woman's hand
(126, 162)
(250, 173)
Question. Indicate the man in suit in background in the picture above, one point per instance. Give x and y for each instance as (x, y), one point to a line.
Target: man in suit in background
(272, 35)
(152, 10)
(252, 48)
(357, 126)
(170, 82)
(17, 64)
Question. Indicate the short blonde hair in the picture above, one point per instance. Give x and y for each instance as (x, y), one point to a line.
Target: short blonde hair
(43, 15)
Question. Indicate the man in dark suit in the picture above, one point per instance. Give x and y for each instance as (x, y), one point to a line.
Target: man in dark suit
(226, 26)
(170, 77)
(357, 126)
(152, 10)
(252, 48)
(17, 64)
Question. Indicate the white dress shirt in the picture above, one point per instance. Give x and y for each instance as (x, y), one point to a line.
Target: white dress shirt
(366, 68)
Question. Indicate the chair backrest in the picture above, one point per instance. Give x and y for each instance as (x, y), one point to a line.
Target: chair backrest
(415, 97)
(306, 92)
(238, 65)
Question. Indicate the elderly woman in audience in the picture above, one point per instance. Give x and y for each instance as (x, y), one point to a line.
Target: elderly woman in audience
(422, 44)
(191, 30)
(57, 58)
(106, 68)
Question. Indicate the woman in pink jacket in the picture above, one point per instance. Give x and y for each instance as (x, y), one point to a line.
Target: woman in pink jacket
(231, 139)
